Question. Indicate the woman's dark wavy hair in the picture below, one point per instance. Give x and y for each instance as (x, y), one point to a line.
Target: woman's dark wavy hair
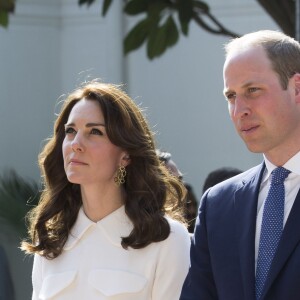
(151, 192)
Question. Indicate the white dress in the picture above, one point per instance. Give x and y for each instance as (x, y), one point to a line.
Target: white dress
(93, 264)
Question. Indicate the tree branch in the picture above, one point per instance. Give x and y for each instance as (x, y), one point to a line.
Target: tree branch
(220, 28)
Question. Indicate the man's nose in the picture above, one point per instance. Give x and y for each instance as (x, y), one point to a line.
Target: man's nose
(240, 108)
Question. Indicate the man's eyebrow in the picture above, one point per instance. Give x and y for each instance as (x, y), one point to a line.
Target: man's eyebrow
(227, 91)
(245, 85)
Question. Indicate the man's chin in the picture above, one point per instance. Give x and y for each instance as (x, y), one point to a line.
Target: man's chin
(254, 149)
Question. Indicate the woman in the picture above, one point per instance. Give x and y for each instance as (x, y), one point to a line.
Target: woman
(109, 222)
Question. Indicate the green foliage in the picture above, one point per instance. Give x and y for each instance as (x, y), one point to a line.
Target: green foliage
(3, 18)
(6, 7)
(135, 7)
(185, 12)
(106, 6)
(17, 197)
(158, 29)
(202, 5)
(161, 38)
(137, 36)
(87, 2)
(163, 22)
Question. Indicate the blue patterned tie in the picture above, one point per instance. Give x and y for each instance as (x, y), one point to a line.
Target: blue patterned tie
(271, 227)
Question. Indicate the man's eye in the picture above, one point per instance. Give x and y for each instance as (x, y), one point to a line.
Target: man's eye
(230, 97)
(253, 89)
(69, 130)
(96, 131)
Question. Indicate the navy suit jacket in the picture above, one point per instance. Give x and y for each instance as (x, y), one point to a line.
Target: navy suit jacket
(223, 246)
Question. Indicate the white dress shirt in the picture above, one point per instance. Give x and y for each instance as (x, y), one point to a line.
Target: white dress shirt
(291, 185)
(93, 264)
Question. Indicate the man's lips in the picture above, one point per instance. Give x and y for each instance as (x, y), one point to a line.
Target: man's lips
(250, 128)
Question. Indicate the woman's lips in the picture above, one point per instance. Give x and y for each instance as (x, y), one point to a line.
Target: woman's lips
(76, 162)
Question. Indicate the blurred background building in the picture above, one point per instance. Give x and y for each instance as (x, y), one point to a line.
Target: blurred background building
(51, 46)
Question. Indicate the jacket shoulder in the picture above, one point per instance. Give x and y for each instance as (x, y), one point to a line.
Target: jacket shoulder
(229, 186)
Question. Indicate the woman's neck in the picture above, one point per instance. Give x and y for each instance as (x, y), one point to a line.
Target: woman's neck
(100, 202)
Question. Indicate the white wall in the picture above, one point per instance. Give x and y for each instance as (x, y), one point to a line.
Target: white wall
(53, 45)
(91, 46)
(28, 83)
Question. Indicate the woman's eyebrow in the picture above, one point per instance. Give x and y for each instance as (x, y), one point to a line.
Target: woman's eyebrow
(94, 124)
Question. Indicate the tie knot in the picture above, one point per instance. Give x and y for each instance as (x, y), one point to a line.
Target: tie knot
(279, 175)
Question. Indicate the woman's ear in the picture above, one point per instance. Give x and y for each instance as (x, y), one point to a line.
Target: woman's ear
(126, 160)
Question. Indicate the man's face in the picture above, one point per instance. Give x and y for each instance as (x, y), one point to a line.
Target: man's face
(265, 116)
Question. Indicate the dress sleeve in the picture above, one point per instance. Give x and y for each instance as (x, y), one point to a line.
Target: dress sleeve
(173, 264)
(36, 276)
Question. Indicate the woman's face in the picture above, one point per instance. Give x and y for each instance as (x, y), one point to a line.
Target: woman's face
(89, 156)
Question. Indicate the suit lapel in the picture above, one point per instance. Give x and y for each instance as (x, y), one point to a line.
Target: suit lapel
(289, 239)
(245, 204)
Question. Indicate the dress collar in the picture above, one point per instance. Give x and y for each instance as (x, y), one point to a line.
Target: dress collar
(114, 226)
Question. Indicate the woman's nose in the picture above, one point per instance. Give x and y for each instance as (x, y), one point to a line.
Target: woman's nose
(77, 145)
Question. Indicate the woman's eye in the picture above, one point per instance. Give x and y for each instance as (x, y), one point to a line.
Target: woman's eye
(96, 131)
(69, 130)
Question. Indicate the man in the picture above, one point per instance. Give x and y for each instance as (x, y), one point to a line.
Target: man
(191, 204)
(236, 254)
(218, 175)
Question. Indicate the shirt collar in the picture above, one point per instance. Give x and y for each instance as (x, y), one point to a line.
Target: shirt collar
(293, 165)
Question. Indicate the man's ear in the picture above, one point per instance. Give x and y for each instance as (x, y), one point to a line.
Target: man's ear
(297, 87)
